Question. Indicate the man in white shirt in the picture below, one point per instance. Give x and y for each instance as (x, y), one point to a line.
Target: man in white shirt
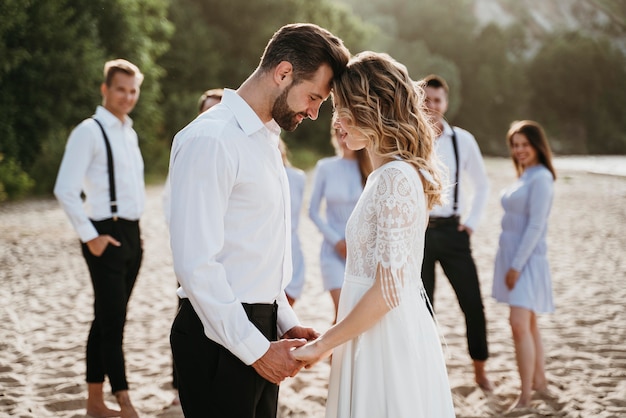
(230, 230)
(447, 236)
(102, 159)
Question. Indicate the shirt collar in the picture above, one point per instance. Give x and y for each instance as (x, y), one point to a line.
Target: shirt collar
(109, 119)
(246, 117)
(447, 130)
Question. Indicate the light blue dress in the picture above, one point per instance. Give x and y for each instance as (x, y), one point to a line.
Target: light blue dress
(338, 183)
(522, 244)
(297, 181)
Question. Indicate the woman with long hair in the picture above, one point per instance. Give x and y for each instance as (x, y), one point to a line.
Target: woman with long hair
(522, 273)
(338, 182)
(387, 359)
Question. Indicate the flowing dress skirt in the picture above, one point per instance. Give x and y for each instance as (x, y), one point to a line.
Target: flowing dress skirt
(395, 369)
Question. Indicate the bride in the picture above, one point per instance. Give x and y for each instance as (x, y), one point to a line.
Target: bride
(387, 359)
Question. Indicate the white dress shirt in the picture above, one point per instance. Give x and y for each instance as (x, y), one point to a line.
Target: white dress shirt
(472, 174)
(84, 168)
(230, 223)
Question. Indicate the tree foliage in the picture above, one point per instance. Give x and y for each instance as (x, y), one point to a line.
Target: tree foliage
(219, 44)
(569, 78)
(573, 83)
(49, 81)
(578, 88)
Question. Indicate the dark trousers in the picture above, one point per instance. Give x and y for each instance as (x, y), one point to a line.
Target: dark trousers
(212, 382)
(113, 276)
(174, 374)
(452, 249)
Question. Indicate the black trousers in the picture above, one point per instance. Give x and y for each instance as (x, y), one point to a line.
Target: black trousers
(174, 374)
(113, 276)
(212, 382)
(451, 248)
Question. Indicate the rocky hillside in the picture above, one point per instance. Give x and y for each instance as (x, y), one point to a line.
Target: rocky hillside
(541, 17)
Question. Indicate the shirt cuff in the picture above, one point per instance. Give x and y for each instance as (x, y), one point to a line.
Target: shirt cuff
(252, 348)
(87, 232)
(287, 319)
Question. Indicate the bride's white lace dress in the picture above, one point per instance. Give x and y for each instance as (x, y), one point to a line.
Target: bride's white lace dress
(395, 369)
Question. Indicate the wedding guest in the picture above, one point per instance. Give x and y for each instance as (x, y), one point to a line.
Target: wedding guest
(338, 183)
(102, 159)
(522, 274)
(452, 223)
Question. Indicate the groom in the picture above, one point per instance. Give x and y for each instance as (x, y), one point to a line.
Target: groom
(230, 230)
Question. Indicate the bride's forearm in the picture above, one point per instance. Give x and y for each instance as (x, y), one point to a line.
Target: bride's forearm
(367, 312)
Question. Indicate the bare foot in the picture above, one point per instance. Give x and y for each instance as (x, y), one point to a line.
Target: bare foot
(101, 411)
(127, 408)
(485, 384)
(96, 407)
(546, 394)
(520, 403)
(129, 412)
(481, 376)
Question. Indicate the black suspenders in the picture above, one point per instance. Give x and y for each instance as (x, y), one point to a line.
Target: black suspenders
(111, 172)
(456, 180)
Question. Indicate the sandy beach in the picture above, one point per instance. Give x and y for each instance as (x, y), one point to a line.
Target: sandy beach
(46, 309)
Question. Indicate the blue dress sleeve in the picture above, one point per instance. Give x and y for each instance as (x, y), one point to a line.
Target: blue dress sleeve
(317, 195)
(540, 195)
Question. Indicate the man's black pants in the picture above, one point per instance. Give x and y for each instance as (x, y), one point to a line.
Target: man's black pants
(113, 276)
(444, 243)
(212, 382)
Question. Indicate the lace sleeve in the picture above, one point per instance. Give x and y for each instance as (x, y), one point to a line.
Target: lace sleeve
(396, 214)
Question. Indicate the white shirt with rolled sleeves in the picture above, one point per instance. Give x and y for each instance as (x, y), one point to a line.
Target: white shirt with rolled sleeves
(84, 168)
(230, 223)
(472, 174)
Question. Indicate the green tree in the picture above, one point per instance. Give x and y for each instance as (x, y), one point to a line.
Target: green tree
(219, 44)
(138, 30)
(50, 79)
(497, 92)
(578, 93)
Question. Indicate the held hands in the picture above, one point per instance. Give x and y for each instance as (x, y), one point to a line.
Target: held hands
(511, 278)
(312, 352)
(97, 245)
(302, 332)
(278, 363)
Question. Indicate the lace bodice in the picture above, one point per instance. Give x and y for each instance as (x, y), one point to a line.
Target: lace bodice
(386, 230)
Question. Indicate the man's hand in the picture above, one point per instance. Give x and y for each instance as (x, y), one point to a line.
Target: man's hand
(512, 276)
(278, 363)
(302, 332)
(99, 244)
(466, 229)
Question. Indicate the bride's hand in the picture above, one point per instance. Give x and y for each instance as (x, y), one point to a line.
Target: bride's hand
(311, 353)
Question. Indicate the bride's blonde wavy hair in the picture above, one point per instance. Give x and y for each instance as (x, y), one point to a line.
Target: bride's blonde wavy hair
(378, 98)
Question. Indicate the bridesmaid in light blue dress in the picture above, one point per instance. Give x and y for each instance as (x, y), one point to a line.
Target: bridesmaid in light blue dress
(522, 273)
(339, 182)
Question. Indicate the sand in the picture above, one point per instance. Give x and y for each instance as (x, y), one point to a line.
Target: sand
(46, 309)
